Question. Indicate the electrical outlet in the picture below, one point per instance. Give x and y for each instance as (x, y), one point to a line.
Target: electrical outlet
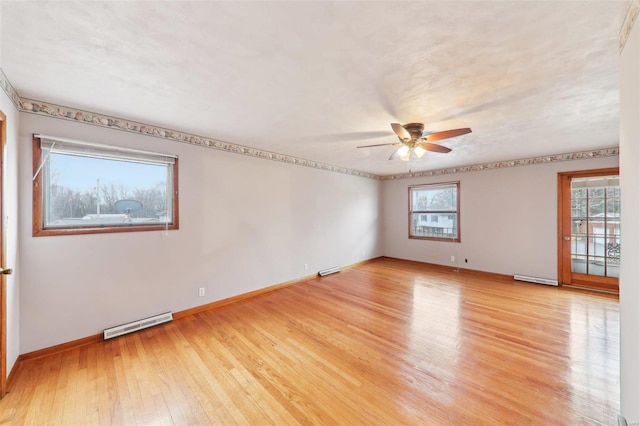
(306, 267)
(453, 258)
(201, 291)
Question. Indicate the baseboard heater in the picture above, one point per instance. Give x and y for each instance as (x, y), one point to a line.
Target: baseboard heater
(130, 327)
(535, 280)
(329, 271)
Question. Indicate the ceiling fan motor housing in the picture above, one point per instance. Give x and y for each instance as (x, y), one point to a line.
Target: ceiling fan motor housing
(415, 130)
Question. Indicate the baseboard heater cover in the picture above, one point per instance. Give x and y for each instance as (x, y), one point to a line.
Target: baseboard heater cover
(130, 327)
(329, 271)
(535, 280)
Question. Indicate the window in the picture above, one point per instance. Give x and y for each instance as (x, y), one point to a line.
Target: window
(83, 188)
(434, 212)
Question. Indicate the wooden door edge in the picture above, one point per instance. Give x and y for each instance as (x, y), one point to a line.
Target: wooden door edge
(3, 290)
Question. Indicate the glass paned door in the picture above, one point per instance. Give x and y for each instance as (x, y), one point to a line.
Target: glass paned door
(595, 226)
(589, 229)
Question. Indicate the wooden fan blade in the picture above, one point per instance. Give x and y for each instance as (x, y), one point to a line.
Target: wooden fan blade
(434, 147)
(402, 133)
(378, 144)
(447, 134)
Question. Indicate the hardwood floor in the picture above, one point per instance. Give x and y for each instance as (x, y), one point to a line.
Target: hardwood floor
(388, 342)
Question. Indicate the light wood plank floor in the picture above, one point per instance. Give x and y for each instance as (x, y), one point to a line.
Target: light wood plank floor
(388, 342)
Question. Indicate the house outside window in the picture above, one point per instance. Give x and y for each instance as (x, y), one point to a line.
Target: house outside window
(434, 212)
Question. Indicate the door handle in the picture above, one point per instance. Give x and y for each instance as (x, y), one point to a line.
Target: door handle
(567, 238)
(7, 271)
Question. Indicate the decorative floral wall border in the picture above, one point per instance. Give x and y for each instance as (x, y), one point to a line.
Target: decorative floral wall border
(70, 114)
(629, 21)
(606, 152)
(9, 90)
(65, 113)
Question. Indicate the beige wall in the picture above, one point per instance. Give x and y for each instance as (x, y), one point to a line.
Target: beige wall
(245, 224)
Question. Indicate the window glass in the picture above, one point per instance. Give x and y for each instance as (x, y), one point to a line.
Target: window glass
(434, 212)
(96, 188)
(595, 218)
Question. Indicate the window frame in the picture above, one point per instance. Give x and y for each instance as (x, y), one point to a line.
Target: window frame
(39, 230)
(456, 212)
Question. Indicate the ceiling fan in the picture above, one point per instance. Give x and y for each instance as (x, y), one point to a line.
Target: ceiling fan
(413, 144)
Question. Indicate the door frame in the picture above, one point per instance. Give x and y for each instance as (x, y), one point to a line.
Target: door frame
(3, 279)
(565, 277)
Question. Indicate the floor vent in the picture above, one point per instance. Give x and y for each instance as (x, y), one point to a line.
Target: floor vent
(119, 330)
(329, 271)
(535, 280)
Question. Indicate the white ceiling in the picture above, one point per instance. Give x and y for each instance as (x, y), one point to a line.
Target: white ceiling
(316, 79)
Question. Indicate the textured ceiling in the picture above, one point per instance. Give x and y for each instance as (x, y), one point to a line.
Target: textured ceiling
(316, 79)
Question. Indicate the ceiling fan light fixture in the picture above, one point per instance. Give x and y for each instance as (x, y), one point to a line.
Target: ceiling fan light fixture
(404, 153)
(419, 151)
(403, 150)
